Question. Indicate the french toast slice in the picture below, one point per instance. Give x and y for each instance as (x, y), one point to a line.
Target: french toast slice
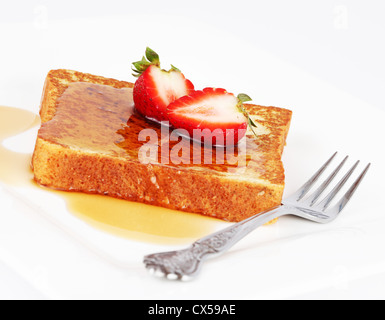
(89, 141)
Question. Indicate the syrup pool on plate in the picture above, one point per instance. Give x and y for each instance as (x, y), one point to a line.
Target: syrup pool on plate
(122, 218)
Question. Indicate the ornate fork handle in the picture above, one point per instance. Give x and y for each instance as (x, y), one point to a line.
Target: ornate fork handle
(186, 263)
(223, 240)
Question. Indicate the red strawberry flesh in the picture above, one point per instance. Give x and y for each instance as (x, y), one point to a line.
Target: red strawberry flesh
(156, 89)
(213, 109)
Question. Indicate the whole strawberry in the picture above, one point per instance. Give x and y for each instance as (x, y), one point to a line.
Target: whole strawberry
(156, 88)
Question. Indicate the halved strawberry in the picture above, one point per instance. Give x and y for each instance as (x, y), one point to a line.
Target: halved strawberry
(214, 109)
(156, 88)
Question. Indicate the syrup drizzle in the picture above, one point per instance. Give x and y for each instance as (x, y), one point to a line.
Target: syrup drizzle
(135, 221)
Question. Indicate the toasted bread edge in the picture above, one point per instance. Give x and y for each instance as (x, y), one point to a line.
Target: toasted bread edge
(63, 168)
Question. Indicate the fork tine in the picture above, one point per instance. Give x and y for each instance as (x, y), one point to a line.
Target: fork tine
(325, 202)
(314, 197)
(301, 192)
(348, 195)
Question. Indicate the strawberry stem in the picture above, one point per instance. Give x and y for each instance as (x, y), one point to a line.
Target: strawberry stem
(150, 58)
(175, 68)
(242, 97)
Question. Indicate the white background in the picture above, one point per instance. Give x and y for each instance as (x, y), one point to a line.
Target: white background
(336, 40)
(263, 48)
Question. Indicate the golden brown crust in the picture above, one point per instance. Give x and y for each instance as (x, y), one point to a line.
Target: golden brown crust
(210, 192)
(57, 82)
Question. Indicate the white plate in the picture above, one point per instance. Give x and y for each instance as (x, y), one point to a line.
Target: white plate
(63, 257)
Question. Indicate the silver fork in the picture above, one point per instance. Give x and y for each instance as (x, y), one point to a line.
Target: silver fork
(185, 264)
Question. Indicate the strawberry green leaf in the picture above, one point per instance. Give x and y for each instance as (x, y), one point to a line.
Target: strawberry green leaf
(152, 56)
(244, 97)
(136, 73)
(252, 125)
(175, 68)
(141, 65)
